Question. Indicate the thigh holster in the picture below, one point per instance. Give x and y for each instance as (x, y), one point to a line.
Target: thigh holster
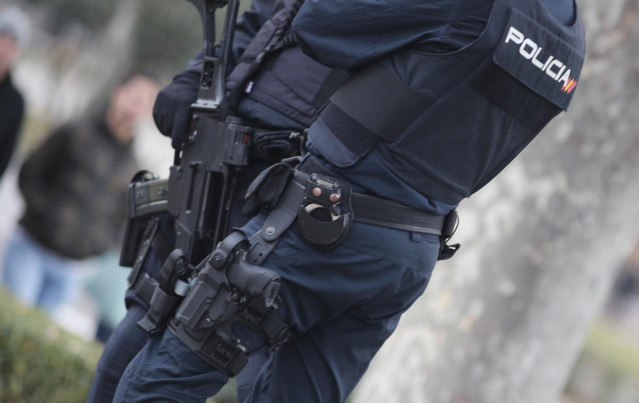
(226, 291)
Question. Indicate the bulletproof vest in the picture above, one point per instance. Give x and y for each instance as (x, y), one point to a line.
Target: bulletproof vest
(275, 72)
(475, 110)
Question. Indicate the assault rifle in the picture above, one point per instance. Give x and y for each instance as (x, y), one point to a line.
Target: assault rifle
(200, 190)
(203, 178)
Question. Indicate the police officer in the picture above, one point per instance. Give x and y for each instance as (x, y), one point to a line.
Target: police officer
(443, 95)
(285, 93)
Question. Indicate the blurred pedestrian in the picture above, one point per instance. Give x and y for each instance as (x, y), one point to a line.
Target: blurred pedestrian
(14, 29)
(74, 186)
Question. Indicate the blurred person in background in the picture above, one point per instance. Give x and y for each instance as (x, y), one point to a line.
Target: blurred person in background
(14, 28)
(74, 186)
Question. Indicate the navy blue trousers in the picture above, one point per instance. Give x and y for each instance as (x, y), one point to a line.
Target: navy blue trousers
(127, 338)
(340, 306)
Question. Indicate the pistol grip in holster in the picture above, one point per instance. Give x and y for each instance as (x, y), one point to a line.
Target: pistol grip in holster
(229, 290)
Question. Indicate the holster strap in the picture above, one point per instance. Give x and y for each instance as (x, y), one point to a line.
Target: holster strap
(278, 221)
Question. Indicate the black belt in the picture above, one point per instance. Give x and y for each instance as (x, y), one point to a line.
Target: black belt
(365, 209)
(387, 213)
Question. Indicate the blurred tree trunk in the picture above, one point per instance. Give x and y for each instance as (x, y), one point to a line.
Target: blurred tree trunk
(505, 319)
(99, 65)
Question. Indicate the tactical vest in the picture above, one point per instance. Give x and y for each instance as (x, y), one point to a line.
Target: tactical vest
(275, 72)
(474, 109)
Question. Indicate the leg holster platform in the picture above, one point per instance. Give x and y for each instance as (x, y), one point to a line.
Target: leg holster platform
(229, 290)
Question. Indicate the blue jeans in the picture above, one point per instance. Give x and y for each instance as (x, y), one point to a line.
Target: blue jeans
(340, 306)
(38, 276)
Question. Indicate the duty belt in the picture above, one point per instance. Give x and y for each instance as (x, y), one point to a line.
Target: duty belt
(387, 213)
(363, 208)
(150, 196)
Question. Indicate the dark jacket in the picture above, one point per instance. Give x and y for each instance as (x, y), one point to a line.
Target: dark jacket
(288, 88)
(444, 94)
(75, 187)
(11, 114)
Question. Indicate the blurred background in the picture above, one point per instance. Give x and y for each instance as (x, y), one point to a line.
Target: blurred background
(71, 54)
(544, 294)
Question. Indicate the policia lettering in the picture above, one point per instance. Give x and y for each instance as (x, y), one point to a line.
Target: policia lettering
(553, 67)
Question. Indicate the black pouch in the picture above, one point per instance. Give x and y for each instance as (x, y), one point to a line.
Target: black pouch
(325, 215)
(136, 226)
(267, 188)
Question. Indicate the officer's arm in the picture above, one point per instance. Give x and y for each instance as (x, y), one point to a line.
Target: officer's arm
(172, 108)
(348, 33)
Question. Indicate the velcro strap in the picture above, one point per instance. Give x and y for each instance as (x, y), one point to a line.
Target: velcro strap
(278, 221)
(391, 105)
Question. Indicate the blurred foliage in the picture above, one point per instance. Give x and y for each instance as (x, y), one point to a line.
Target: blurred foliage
(169, 33)
(39, 362)
(613, 348)
(93, 14)
(608, 368)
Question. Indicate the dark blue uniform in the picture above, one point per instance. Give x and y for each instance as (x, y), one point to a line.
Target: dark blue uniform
(342, 304)
(280, 99)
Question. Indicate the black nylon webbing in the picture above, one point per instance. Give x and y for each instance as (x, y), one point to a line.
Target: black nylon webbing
(383, 212)
(379, 101)
(278, 221)
(386, 213)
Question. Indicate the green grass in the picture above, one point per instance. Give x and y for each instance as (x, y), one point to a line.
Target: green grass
(40, 362)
